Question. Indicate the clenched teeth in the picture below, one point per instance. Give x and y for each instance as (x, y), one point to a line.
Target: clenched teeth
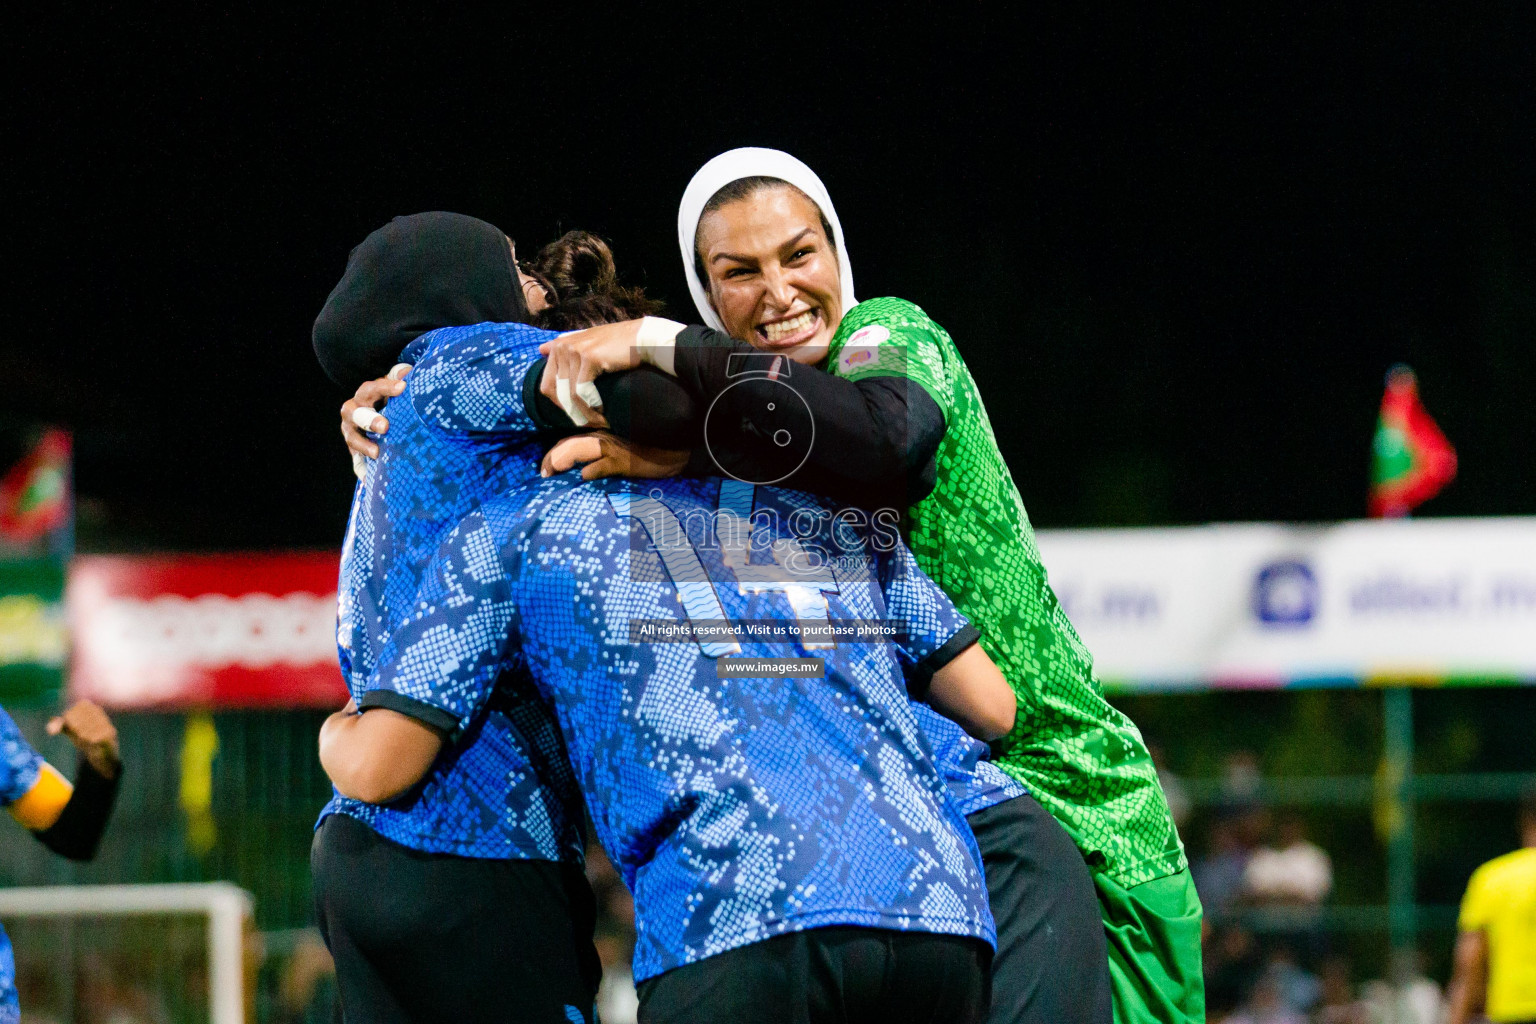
(784, 328)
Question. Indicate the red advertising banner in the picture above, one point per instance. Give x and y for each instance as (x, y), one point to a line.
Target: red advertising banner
(224, 631)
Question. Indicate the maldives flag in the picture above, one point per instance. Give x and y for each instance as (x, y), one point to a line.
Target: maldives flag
(34, 493)
(1413, 460)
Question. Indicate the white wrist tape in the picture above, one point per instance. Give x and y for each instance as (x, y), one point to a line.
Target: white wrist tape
(563, 396)
(657, 341)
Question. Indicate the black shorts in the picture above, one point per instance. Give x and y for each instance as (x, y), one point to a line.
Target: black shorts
(827, 976)
(421, 937)
(1051, 965)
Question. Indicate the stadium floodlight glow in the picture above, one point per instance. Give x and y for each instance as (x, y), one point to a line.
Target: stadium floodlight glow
(227, 906)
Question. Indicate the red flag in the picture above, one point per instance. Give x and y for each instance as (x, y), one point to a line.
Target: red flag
(1412, 459)
(34, 494)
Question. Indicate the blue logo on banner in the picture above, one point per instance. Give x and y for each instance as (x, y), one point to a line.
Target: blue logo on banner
(1285, 594)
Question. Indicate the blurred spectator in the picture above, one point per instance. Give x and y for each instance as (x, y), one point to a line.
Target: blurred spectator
(1338, 1004)
(102, 998)
(1267, 1004)
(1219, 874)
(1409, 997)
(1299, 988)
(1241, 780)
(1292, 872)
(1179, 803)
(1232, 965)
(39, 995)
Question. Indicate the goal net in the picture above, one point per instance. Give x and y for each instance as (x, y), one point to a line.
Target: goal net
(161, 954)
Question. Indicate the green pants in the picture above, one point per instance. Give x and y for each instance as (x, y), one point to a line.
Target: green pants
(1153, 933)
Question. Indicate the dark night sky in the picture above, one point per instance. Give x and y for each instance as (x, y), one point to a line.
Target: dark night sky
(1178, 254)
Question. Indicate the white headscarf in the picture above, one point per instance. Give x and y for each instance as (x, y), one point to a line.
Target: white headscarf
(749, 162)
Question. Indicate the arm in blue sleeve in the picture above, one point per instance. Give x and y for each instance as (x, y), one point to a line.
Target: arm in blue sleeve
(468, 381)
(441, 665)
(880, 432)
(484, 381)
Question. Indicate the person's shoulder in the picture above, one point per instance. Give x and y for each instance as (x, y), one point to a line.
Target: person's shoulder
(489, 335)
(888, 311)
(1519, 864)
(1494, 880)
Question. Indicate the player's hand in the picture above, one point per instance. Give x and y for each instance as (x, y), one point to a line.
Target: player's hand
(361, 412)
(602, 454)
(579, 358)
(93, 734)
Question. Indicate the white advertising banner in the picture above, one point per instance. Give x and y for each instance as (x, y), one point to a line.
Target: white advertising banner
(1257, 605)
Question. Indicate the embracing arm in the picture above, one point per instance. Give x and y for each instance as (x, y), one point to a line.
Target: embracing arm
(434, 676)
(868, 432)
(972, 692)
(881, 431)
(377, 754)
(643, 405)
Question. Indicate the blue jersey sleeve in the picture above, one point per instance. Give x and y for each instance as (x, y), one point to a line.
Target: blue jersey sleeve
(19, 763)
(441, 665)
(468, 381)
(935, 631)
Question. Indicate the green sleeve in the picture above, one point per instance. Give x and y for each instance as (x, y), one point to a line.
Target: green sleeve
(893, 338)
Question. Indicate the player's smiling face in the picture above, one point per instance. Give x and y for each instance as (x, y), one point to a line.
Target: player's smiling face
(772, 273)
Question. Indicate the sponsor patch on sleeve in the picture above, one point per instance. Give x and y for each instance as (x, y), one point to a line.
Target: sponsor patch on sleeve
(855, 357)
(872, 335)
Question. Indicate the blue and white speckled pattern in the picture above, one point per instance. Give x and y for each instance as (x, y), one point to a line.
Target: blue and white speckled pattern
(19, 763)
(458, 435)
(735, 809)
(19, 768)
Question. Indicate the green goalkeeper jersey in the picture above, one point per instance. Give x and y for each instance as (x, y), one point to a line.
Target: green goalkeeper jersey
(1080, 757)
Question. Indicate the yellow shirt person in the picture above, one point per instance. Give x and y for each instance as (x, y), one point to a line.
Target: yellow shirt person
(1496, 951)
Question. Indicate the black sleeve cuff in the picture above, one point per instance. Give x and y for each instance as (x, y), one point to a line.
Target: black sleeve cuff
(410, 707)
(546, 415)
(702, 360)
(921, 676)
(78, 831)
(643, 404)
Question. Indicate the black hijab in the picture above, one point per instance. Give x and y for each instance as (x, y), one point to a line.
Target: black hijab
(413, 275)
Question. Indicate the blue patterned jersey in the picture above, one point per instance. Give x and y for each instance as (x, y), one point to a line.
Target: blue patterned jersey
(19, 763)
(736, 808)
(974, 781)
(458, 434)
(965, 762)
(20, 766)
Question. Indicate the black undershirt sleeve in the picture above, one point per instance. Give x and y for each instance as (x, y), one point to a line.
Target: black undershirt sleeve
(870, 441)
(644, 405)
(920, 679)
(78, 831)
(427, 714)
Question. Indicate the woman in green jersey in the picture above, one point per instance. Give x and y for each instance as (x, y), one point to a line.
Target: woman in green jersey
(890, 411)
